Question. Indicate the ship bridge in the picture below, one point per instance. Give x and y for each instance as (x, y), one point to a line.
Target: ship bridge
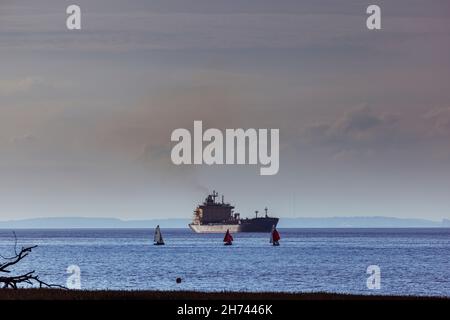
(212, 211)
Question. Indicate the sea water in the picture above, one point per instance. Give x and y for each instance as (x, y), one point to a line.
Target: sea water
(411, 261)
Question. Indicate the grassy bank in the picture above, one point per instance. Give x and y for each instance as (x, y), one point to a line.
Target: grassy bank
(56, 294)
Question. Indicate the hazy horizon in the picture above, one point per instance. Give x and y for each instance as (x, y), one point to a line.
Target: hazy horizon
(186, 218)
(169, 223)
(86, 116)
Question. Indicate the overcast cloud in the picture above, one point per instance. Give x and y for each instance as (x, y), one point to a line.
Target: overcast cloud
(86, 116)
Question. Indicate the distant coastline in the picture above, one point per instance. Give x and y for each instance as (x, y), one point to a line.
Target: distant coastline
(301, 222)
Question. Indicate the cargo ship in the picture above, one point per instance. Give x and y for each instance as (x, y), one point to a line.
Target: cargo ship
(217, 217)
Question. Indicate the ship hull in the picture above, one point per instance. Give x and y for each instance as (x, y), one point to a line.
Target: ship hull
(250, 225)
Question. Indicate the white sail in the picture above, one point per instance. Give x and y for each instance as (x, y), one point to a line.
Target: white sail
(158, 236)
(271, 234)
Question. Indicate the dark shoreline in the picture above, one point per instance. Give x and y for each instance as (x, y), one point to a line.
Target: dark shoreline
(65, 295)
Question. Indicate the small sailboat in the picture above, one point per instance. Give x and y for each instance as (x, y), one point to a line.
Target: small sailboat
(275, 237)
(228, 239)
(158, 239)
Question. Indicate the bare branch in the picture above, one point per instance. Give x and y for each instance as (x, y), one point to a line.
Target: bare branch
(28, 278)
(15, 249)
(15, 242)
(19, 256)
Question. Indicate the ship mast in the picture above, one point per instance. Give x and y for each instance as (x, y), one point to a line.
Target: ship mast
(215, 195)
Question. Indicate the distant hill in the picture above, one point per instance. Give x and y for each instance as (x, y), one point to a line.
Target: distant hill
(331, 222)
(79, 222)
(361, 222)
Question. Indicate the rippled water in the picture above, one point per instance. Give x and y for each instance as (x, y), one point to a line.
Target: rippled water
(412, 261)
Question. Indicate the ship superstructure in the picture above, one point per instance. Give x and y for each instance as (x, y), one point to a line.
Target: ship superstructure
(217, 217)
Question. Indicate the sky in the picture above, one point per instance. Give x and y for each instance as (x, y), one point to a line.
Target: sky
(86, 115)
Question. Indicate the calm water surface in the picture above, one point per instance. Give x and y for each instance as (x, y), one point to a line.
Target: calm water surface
(412, 261)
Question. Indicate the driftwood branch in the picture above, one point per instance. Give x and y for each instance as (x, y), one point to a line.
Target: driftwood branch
(27, 278)
(15, 248)
(13, 260)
